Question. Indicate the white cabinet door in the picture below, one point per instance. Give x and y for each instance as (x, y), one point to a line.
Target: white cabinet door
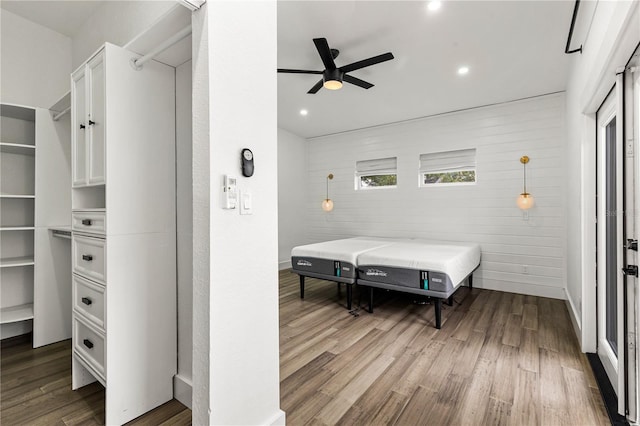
(79, 128)
(96, 120)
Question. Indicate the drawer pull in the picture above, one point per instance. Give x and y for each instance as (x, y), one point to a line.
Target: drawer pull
(88, 343)
(86, 222)
(87, 257)
(87, 301)
(91, 123)
(82, 126)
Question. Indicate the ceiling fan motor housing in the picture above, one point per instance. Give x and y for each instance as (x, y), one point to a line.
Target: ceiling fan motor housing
(333, 75)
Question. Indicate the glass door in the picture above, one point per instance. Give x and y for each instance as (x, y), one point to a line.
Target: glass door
(612, 177)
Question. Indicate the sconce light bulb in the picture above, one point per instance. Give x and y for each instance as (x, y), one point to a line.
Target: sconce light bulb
(327, 205)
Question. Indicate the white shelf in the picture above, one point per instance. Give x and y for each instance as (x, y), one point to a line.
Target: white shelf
(17, 196)
(100, 209)
(17, 228)
(16, 313)
(13, 262)
(17, 148)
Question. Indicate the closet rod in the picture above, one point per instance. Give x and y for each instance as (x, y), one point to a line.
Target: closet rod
(163, 46)
(60, 114)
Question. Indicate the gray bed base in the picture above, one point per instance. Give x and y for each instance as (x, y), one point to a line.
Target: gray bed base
(413, 287)
(436, 285)
(325, 269)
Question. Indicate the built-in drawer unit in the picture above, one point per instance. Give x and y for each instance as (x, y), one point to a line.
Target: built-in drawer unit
(89, 342)
(90, 221)
(88, 300)
(89, 257)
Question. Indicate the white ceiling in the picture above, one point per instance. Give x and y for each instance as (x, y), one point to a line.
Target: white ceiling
(65, 17)
(514, 49)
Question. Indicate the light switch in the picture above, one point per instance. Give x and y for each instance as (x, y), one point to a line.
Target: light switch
(246, 203)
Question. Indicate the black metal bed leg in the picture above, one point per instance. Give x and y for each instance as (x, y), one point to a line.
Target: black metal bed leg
(370, 300)
(470, 281)
(349, 295)
(301, 286)
(438, 307)
(338, 286)
(450, 300)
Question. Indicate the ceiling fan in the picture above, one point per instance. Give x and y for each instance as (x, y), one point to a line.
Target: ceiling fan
(332, 76)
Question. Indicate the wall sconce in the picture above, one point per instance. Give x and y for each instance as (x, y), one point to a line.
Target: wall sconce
(525, 200)
(327, 204)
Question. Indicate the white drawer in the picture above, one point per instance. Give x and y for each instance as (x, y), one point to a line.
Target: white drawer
(89, 343)
(89, 221)
(88, 299)
(89, 257)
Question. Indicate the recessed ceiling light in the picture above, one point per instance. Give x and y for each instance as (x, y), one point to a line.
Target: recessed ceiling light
(434, 5)
(463, 70)
(304, 112)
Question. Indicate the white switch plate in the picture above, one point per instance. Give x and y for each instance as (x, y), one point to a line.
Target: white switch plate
(246, 203)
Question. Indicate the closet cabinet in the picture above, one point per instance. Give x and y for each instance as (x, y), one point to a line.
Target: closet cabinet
(88, 92)
(123, 231)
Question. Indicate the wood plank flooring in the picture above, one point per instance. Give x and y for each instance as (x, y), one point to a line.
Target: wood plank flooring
(500, 358)
(35, 389)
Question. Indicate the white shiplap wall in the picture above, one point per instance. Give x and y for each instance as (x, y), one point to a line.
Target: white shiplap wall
(522, 256)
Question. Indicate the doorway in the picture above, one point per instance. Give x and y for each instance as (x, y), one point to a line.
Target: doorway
(617, 272)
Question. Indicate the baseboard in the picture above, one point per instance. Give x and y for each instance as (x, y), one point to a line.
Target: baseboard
(278, 419)
(576, 319)
(520, 288)
(285, 264)
(182, 390)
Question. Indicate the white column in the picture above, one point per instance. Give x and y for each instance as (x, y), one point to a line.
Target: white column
(236, 360)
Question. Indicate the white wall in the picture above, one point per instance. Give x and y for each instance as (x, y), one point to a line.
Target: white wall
(292, 190)
(35, 63)
(484, 213)
(613, 35)
(184, 210)
(116, 22)
(235, 43)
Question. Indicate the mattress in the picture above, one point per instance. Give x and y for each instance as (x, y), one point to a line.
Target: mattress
(335, 260)
(433, 268)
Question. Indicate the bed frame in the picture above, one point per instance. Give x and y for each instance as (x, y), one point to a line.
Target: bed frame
(437, 297)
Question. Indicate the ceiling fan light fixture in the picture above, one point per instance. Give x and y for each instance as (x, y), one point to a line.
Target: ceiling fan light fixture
(332, 84)
(332, 79)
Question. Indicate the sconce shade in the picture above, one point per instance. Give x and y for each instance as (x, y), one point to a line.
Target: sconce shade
(525, 201)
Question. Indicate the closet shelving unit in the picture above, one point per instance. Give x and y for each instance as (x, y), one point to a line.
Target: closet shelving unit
(17, 217)
(35, 272)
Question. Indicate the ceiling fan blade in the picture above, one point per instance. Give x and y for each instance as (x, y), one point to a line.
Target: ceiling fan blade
(367, 62)
(317, 87)
(325, 53)
(357, 81)
(298, 71)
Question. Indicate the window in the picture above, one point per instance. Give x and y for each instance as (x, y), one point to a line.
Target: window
(379, 173)
(449, 167)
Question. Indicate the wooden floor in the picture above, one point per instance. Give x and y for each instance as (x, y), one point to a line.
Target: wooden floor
(35, 389)
(500, 358)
